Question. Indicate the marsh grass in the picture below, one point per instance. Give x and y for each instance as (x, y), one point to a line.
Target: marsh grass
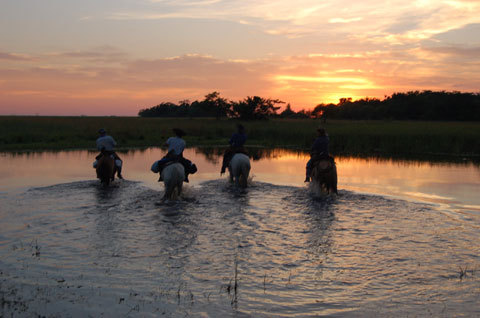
(462, 272)
(393, 138)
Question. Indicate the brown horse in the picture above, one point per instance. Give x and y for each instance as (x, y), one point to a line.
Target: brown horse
(105, 169)
(324, 175)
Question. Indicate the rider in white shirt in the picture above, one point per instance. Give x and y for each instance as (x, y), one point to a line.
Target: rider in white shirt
(106, 145)
(175, 145)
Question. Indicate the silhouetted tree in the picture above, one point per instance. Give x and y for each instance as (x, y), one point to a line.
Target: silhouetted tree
(220, 106)
(252, 108)
(161, 110)
(413, 105)
(288, 112)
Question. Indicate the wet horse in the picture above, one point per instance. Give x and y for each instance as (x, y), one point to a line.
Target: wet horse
(324, 175)
(239, 169)
(105, 169)
(173, 175)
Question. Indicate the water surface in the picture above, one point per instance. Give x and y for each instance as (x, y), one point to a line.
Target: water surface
(401, 239)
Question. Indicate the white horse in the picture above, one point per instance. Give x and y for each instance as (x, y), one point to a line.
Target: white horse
(239, 169)
(173, 176)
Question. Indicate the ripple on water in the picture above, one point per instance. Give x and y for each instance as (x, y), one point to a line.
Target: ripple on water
(121, 250)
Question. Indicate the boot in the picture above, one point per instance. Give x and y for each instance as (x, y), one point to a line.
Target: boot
(307, 179)
(119, 173)
(186, 178)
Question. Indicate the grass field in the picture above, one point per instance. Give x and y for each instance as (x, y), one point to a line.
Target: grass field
(391, 138)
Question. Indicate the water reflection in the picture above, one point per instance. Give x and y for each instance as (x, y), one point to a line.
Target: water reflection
(451, 185)
(293, 254)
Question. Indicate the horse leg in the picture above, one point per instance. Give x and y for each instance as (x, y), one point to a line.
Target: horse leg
(179, 188)
(244, 177)
(335, 181)
(237, 180)
(168, 193)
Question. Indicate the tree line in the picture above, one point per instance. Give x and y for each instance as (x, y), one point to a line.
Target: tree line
(250, 108)
(413, 105)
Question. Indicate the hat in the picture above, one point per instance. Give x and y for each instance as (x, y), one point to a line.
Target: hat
(102, 131)
(178, 132)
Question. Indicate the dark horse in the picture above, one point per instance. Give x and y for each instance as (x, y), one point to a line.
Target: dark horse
(324, 174)
(105, 169)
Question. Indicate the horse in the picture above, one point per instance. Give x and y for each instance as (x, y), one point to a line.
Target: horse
(324, 175)
(173, 175)
(105, 169)
(239, 169)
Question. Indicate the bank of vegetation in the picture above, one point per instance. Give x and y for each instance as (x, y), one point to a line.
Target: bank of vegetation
(348, 137)
(415, 105)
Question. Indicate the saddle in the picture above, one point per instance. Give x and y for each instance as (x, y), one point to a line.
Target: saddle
(190, 168)
(324, 163)
(112, 154)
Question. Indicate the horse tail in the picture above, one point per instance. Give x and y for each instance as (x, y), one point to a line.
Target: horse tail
(240, 169)
(244, 175)
(105, 169)
(173, 176)
(324, 175)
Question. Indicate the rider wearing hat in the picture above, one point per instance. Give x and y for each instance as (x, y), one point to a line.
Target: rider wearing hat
(176, 145)
(236, 142)
(106, 145)
(319, 150)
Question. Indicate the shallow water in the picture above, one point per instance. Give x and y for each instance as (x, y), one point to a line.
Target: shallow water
(398, 241)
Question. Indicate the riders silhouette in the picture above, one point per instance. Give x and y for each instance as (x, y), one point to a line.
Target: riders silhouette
(319, 151)
(106, 145)
(237, 140)
(175, 145)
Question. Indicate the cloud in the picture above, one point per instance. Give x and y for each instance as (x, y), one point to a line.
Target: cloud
(187, 2)
(343, 20)
(422, 18)
(15, 57)
(104, 54)
(130, 83)
(460, 52)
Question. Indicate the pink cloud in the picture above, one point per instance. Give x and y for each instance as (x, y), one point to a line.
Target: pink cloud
(83, 84)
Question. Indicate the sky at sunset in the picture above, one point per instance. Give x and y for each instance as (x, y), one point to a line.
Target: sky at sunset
(115, 57)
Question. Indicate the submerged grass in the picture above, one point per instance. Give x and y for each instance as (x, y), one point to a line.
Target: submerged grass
(392, 138)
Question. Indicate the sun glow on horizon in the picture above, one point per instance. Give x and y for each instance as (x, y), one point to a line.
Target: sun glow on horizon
(303, 53)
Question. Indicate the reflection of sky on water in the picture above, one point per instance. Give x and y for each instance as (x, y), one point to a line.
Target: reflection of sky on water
(298, 254)
(453, 185)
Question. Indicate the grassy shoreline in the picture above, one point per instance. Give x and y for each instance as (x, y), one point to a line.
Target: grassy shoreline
(358, 138)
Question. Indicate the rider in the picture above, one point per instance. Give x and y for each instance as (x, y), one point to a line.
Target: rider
(106, 145)
(319, 150)
(176, 145)
(236, 142)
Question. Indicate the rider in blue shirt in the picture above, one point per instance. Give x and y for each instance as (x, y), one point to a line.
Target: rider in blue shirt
(319, 150)
(236, 142)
